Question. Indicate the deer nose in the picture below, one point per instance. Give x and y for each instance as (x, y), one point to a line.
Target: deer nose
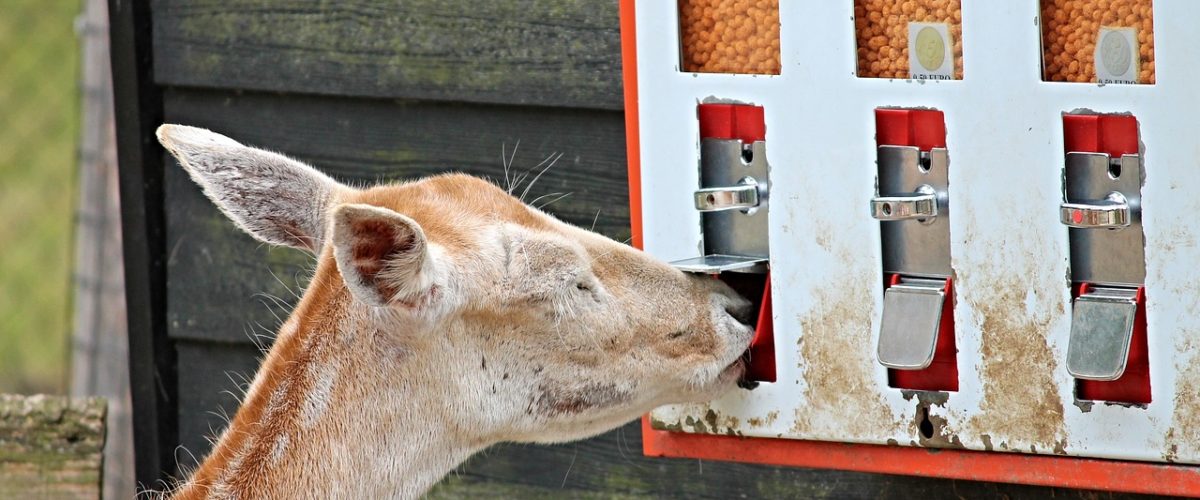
(741, 310)
(734, 304)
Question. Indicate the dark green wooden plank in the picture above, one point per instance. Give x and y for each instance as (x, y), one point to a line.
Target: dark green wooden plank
(212, 376)
(540, 52)
(222, 284)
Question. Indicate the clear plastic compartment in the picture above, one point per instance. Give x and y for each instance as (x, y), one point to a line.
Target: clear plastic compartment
(729, 36)
(1124, 30)
(884, 28)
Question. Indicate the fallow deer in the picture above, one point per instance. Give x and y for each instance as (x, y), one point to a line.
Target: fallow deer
(444, 316)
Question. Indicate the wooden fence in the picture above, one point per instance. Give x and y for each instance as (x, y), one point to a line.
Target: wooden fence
(51, 446)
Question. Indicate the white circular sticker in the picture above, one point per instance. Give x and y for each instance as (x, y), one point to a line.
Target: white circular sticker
(931, 49)
(1115, 53)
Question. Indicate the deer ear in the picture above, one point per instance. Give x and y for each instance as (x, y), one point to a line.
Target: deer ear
(274, 198)
(383, 256)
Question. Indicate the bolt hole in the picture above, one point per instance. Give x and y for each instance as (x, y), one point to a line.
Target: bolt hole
(887, 209)
(747, 154)
(924, 164)
(1114, 170)
(926, 425)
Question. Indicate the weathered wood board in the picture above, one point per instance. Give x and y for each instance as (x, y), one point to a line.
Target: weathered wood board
(51, 446)
(534, 52)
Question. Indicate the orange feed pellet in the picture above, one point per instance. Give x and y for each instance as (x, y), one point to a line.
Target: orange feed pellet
(881, 28)
(1069, 29)
(729, 36)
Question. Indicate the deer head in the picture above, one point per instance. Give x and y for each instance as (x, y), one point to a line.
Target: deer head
(449, 301)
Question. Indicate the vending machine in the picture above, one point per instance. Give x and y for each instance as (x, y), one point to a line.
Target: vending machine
(971, 229)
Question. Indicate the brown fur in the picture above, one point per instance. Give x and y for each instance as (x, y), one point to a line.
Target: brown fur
(445, 316)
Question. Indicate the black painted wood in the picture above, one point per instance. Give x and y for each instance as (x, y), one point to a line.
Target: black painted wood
(537, 52)
(224, 284)
(138, 110)
(212, 379)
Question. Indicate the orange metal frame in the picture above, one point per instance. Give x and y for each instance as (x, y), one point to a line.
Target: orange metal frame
(1069, 472)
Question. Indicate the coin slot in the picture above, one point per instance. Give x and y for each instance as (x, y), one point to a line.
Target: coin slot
(729, 36)
(747, 154)
(918, 39)
(1098, 41)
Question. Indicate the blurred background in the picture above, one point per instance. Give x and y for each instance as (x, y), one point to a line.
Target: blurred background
(39, 149)
(62, 321)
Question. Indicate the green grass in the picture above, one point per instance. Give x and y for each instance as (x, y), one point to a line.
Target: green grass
(39, 126)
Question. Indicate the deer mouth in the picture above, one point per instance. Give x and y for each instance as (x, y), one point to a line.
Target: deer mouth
(736, 370)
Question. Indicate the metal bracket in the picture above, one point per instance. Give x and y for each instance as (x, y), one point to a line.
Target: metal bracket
(744, 196)
(1102, 322)
(717, 264)
(912, 206)
(1112, 212)
(919, 205)
(912, 317)
(914, 209)
(1102, 207)
(733, 204)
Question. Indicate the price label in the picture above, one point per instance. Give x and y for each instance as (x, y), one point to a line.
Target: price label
(1117, 58)
(929, 51)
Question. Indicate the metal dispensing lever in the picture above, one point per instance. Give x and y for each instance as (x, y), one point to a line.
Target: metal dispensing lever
(919, 205)
(1112, 212)
(745, 195)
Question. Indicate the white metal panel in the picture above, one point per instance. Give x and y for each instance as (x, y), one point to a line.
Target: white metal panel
(1009, 252)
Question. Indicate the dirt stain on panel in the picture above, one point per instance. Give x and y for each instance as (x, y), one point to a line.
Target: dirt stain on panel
(842, 398)
(767, 421)
(1183, 438)
(1021, 403)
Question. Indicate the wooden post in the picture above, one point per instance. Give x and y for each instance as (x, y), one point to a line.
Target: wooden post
(100, 354)
(51, 446)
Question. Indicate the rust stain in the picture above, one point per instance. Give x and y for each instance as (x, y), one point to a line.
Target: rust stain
(822, 239)
(768, 421)
(1020, 402)
(731, 423)
(1183, 437)
(842, 397)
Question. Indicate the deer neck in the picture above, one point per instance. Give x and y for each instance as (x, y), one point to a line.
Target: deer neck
(334, 406)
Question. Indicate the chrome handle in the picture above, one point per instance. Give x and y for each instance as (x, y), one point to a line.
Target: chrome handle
(742, 196)
(1112, 212)
(919, 205)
